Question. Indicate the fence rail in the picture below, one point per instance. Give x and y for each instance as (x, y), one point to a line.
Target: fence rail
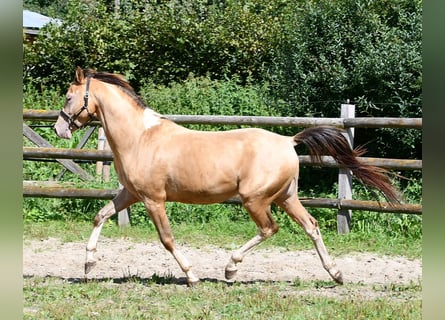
(344, 203)
(30, 153)
(34, 190)
(407, 123)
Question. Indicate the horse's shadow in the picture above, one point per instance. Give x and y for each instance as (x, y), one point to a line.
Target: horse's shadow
(161, 280)
(156, 279)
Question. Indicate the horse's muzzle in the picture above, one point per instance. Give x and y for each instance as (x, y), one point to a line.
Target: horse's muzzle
(62, 129)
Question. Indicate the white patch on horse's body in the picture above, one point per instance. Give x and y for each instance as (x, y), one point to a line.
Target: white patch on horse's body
(151, 118)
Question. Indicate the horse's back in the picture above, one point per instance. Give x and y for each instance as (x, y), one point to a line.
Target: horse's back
(238, 145)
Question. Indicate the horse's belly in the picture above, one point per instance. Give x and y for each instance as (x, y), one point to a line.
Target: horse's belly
(201, 194)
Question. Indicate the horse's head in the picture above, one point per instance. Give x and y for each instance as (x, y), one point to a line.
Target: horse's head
(79, 108)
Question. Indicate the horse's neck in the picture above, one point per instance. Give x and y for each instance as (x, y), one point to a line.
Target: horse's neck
(123, 122)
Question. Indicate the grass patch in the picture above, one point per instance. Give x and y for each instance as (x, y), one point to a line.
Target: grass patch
(53, 298)
(230, 235)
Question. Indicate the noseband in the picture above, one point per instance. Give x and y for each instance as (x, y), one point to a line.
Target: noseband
(72, 119)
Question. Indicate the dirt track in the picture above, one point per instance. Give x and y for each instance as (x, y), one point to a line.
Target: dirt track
(121, 258)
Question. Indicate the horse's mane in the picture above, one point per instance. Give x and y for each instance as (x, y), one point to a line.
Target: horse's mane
(117, 80)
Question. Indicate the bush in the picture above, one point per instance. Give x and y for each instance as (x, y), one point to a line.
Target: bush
(365, 51)
(161, 41)
(197, 96)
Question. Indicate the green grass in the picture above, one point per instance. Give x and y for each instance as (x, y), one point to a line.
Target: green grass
(157, 298)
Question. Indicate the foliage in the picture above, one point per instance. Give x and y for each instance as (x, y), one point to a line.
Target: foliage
(52, 8)
(314, 53)
(202, 95)
(163, 41)
(368, 52)
(87, 37)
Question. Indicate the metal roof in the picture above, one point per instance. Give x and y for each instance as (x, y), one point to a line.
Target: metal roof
(36, 20)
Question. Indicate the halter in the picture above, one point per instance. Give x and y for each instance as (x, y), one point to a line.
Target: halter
(72, 119)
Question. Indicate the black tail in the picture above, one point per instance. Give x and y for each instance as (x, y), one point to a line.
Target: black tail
(330, 141)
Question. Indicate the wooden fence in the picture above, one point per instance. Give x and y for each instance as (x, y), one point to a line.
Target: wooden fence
(344, 203)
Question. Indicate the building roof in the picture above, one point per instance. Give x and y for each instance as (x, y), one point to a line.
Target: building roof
(36, 20)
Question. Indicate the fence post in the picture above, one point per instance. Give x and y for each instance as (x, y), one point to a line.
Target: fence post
(107, 164)
(123, 218)
(103, 167)
(100, 146)
(344, 176)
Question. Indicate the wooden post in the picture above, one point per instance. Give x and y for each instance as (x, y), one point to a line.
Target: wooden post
(123, 215)
(107, 164)
(103, 167)
(345, 177)
(100, 146)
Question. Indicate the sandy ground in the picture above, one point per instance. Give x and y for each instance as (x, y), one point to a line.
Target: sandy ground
(120, 258)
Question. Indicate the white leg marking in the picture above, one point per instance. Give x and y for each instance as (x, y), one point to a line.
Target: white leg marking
(238, 255)
(185, 267)
(326, 260)
(100, 219)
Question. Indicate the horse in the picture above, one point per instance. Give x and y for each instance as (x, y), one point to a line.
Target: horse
(157, 160)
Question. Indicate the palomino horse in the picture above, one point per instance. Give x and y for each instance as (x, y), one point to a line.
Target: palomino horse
(157, 161)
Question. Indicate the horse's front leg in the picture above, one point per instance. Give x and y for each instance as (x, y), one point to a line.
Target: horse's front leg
(156, 210)
(120, 202)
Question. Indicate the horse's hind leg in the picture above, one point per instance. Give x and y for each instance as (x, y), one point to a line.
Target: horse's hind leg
(157, 213)
(267, 227)
(120, 202)
(298, 213)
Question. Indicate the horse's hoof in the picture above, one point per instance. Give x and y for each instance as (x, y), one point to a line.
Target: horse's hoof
(192, 283)
(89, 266)
(230, 274)
(338, 277)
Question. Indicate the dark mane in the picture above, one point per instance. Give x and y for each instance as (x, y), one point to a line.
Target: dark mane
(117, 80)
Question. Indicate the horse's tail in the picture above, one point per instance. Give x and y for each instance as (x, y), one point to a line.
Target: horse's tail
(326, 140)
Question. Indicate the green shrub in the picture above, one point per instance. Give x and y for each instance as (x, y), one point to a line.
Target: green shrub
(365, 51)
(203, 96)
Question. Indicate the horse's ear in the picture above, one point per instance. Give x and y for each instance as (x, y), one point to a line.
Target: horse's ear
(79, 75)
